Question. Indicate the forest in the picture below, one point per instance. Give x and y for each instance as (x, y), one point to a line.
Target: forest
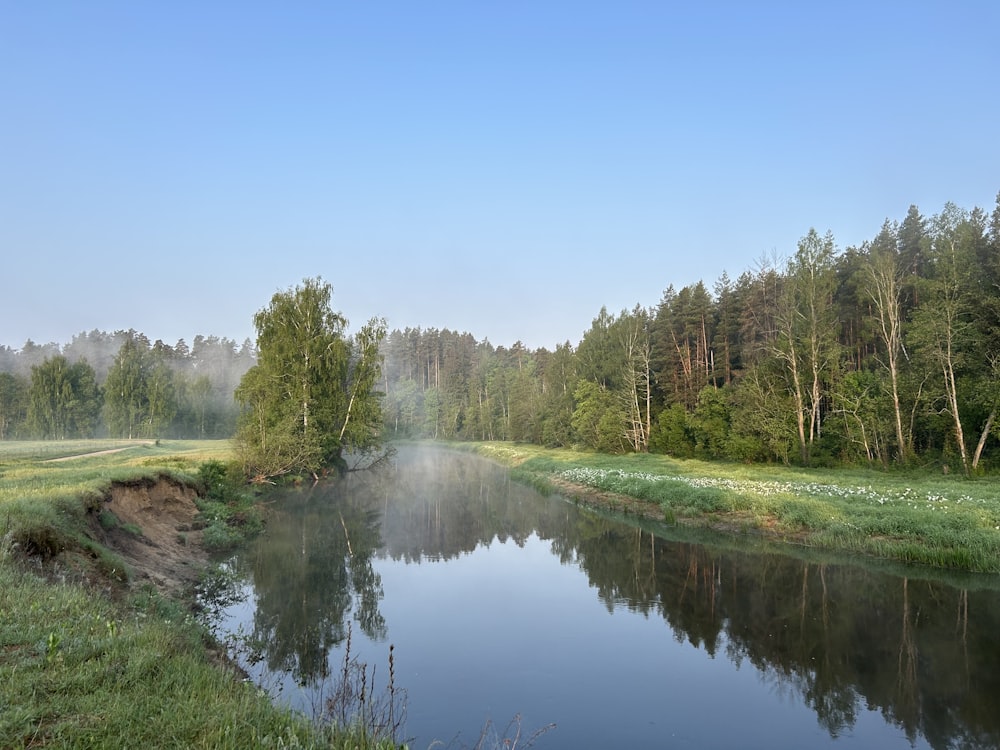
(120, 385)
(887, 354)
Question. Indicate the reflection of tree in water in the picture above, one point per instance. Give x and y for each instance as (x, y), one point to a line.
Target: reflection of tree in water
(843, 638)
(310, 571)
(448, 503)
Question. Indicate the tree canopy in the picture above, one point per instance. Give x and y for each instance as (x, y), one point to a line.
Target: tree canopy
(312, 395)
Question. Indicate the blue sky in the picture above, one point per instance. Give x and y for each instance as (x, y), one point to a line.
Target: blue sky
(505, 169)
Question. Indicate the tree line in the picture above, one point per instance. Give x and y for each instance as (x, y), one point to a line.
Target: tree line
(120, 385)
(883, 354)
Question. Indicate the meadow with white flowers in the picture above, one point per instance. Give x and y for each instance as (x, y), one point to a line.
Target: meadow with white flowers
(944, 521)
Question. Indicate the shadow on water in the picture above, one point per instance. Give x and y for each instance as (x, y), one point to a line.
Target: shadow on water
(845, 639)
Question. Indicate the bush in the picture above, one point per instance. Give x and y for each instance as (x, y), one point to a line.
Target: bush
(229, 510)
(671, 433)
(218, 483)
(220, 536)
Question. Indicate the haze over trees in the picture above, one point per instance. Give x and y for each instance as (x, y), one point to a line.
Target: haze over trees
(884, 354)
(120, 385)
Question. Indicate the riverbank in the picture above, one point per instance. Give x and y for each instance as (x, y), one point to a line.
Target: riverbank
(99, 554)
(99, 646)
(946, 522)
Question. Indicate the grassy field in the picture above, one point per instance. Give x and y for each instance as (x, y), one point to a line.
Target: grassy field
(109, 666)
(931, 519)
(46, 487)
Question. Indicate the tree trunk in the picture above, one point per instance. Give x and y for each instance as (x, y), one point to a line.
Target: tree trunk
(982, 438)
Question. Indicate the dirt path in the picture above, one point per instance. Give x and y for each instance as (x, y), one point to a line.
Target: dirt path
(98, 453)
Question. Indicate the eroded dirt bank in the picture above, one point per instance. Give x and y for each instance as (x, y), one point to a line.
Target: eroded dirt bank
(168, 552)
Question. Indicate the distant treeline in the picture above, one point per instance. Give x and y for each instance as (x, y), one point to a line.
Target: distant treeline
(119, 385)
(888, 353)
(884, 354)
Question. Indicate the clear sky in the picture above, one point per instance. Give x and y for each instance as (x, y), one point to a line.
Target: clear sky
(503, 168)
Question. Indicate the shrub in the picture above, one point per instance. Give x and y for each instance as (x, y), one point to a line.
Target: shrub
(220, 536)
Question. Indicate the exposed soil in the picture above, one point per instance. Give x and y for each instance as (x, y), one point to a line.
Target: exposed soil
(168, 551)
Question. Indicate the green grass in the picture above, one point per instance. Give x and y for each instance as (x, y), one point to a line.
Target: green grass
(80, 668)
(43, 502)
(943, 521)
(34, 450)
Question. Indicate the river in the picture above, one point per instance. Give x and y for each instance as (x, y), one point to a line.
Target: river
(503, 605)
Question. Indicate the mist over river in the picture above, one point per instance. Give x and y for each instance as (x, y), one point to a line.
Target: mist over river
(501, 602)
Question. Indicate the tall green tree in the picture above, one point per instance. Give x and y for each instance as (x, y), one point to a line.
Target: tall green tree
(360, 427)
(807, 333)
(161, 395)
(883, 283)
(727, 333)
(312, 394)
(682, 336)
(63, 400)
(636, 390)
(943, 333)
(13, 403)
(914, 246)
(613, 397)
(125, 396)
(558, 378)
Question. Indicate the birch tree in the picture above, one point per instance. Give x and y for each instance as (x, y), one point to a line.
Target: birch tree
(312, 394)
(884, 285)
(636, 384)
(943, 330)
(806, 341)
(125, 398)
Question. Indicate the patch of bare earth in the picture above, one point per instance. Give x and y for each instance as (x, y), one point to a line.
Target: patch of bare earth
(168, 551)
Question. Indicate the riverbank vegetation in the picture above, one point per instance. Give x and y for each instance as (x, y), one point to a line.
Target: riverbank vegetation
(919, 517)
(92, 654)
(83, 670)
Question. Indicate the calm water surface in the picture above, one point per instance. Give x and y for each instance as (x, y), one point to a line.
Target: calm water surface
(502, 602)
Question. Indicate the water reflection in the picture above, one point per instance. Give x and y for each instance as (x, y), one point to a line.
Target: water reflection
(311, 569)
(845, 640)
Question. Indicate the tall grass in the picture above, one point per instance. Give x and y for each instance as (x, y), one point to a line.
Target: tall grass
(950, 522)
(78, 670)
